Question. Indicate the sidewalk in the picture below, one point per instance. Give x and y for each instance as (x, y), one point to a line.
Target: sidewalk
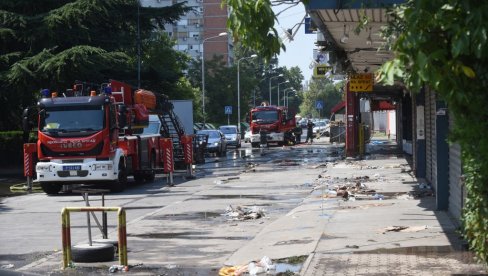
(390, 227)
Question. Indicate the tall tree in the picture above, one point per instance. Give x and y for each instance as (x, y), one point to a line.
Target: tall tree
(252, 24)
(51, 43)
(320, 90)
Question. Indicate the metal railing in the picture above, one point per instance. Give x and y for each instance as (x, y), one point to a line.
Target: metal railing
(66, 231)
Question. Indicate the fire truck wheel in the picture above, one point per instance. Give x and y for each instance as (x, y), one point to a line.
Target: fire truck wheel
(119, 184)
(138, 177)
(51, 189)
(97, 252)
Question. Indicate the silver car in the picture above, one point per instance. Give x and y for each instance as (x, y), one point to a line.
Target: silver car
(216, 141)
(232, 135)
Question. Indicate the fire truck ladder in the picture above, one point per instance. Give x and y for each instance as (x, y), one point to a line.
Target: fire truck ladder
(172, 127)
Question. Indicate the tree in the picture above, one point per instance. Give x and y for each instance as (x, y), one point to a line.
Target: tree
(50, 44)
(456, 67)
(252, 25)
(163, 68)
(323, 90)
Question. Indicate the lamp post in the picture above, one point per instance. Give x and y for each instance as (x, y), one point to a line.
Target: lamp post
(239, 92)
(203, 71)
(280, 75)
(286, 101)
(279, 90)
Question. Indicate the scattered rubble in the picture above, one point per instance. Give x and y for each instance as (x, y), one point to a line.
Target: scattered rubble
(7, 266)
(115, 268)
(222, 181)
(265, 265)
(404, 228)
(244, 213)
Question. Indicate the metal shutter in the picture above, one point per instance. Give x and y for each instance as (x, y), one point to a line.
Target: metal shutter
(433, 137)
(428, 136)
(456, 192)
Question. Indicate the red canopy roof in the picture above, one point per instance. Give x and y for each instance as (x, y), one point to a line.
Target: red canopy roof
(338, 107)
(382, 105)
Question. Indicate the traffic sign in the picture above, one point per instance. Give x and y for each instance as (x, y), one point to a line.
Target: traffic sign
(361, 82)
(228, 109)
(319, 104)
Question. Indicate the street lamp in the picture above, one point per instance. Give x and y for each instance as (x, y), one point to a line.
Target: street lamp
(239, 92)
(286, 100)
(280, 75)
(279, 90)
(203, 71)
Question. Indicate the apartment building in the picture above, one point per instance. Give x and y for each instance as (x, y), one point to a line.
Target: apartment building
(196, 33)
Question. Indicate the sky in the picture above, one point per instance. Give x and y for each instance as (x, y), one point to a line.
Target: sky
(299, 52)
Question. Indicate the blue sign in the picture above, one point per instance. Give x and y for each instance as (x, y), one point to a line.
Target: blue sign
(309, 26)
(228, 109)
(319, 104)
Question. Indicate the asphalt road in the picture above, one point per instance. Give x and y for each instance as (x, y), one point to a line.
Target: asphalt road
(181, 225)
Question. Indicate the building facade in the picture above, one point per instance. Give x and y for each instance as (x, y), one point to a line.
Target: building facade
(196, 33)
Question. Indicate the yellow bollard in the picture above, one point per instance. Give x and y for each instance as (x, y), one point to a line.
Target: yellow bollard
(361, 139)
(66, 231)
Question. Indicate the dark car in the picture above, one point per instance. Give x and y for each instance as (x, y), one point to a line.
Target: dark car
(216, 141)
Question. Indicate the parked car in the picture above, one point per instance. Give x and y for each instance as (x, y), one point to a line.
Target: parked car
(244, 127)
(322, 128)
(199, 126)
(232, 135)
(216, 142)
(247, 136)
(303, 122)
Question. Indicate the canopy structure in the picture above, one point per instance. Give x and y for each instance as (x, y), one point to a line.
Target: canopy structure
(338, 107)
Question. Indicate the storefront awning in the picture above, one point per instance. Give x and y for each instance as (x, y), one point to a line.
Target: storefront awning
(382, 105)
(338, 107)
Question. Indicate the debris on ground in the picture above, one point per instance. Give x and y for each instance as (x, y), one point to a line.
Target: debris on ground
(7, 266)
(367, 206)
(250, 167)
(405, 197)
(116, 268)
(324, 165)
(244, 213)
(353, 189)
(265, 265)
(222, 181)
(404, 228)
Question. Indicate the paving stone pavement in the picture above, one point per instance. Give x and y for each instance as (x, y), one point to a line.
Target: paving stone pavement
(402, 234)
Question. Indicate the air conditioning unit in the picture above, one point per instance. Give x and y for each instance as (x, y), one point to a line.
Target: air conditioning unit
(197, 25)
(184, 38)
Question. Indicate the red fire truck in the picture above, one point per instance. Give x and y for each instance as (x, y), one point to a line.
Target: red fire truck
(93, 134)
(274, 123)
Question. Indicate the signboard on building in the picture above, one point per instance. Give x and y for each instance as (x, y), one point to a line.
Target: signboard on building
(320, 70)
(310, 28)
(361, 82)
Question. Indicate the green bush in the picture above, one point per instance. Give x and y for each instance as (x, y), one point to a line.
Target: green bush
(11, 148)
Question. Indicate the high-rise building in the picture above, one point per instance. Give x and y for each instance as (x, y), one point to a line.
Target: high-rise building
(208, 19)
